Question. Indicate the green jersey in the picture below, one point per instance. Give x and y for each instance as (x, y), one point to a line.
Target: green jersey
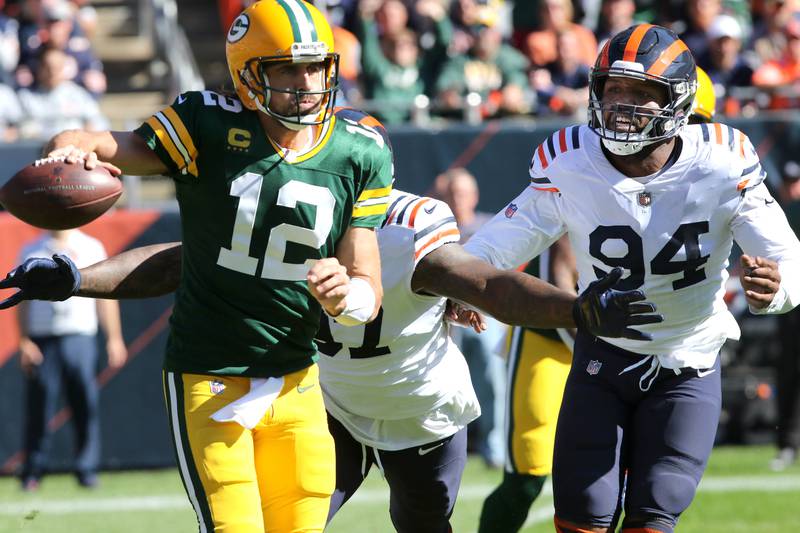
(253, 219)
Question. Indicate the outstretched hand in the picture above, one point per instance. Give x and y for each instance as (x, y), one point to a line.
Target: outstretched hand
(40, 278)
(605, 311)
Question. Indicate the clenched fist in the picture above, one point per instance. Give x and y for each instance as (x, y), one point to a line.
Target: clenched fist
(329, 284)
(760, 280)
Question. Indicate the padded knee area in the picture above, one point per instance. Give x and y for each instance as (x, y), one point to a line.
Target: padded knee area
(646, 523)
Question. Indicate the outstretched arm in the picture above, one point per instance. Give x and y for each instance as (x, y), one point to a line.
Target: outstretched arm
(139, 273)
(509, 296)
(519, 299)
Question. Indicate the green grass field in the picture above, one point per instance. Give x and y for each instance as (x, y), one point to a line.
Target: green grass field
(738, 494)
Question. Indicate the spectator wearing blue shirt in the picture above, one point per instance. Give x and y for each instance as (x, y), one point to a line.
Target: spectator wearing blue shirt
(58, 29)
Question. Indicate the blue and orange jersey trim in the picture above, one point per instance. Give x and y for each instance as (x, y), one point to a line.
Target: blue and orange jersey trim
(723, 134)
(561, 142)
(403, 210)
(737, 143)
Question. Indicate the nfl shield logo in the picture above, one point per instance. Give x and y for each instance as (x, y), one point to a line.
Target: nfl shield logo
(217, 386)
(645, 199)
(593, 367)
(510, 210)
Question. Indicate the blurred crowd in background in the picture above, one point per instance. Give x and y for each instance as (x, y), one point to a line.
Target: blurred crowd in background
(478, 59)
(50, 79)
(455, 59)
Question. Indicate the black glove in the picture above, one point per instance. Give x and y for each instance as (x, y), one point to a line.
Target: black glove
(606, 312)
(40, 278)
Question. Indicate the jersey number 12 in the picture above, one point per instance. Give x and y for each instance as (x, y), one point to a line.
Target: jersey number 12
(247, 188)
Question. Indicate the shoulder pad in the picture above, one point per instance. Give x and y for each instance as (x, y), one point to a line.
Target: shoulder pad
(432, 222)
(736, 151)
(360, 118)
(560, 142)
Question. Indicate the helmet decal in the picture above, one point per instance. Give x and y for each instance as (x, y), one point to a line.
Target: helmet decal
(635, 40)
(300, 18)
(239, 28)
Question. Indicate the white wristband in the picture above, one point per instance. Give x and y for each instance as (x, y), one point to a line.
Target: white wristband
(359, 304)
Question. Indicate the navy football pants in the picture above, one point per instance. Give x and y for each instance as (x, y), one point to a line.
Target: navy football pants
(423, 481)
(623, 414)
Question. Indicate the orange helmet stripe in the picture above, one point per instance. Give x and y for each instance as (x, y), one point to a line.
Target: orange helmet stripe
(667, 57)
(604, 55)
(634, 41)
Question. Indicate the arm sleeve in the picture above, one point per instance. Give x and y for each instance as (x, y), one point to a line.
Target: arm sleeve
(171, 134)
(760, 228)
(434, 225)
(527, 226)
(369, 209)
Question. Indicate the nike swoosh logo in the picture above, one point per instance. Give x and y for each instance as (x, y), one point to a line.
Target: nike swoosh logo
(301, 389)
(423, 451)
(703, 373)
(181, 99)
(768, 202)
(430, 209)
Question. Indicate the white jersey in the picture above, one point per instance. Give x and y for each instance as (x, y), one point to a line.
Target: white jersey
(74, 316)
(672, 234)
(400, 381)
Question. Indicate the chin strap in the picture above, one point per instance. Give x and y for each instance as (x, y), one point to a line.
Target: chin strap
(305, 121)
(624, 147)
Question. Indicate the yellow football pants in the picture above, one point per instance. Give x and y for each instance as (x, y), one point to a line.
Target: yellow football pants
(276, 478)
(537, 371)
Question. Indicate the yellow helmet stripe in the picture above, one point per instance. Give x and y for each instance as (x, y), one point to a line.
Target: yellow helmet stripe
(303, 28)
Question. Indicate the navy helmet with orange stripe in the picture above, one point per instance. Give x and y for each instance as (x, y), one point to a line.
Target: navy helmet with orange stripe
(652, 54)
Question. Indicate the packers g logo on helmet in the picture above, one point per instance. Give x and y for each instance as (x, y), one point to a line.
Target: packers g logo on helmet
(271, 31)
(238, 28)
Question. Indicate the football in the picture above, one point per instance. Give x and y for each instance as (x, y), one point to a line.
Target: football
(52, 194)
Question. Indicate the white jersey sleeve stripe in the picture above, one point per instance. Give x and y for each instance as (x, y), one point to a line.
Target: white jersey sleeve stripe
(394, 207)
(433, 227)
(443, 237)
(551, 149)
(751, 168)
(731, 138)
(401, 219)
